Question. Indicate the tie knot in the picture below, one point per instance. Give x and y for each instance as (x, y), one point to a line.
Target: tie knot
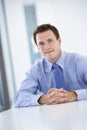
(54, 66)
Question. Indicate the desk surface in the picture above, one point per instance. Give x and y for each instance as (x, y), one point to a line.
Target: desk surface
(68, 116)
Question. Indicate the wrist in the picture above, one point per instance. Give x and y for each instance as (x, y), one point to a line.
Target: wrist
(74, 96)
(41, 99)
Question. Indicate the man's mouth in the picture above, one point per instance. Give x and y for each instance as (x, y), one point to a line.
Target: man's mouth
(48, 52)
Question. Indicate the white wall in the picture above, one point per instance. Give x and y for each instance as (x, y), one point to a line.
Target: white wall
(70, 16)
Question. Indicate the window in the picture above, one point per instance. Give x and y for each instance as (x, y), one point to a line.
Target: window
(31, 23)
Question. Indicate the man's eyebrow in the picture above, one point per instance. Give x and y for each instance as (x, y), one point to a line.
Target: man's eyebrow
(41, 42)
(50, 38)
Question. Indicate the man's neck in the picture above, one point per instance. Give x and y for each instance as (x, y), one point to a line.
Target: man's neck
(56, 58)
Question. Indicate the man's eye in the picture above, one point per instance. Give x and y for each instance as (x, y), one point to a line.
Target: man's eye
(49, 40)
(41, 44)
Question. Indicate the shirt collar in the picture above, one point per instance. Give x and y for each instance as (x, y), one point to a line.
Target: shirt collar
(60, 62)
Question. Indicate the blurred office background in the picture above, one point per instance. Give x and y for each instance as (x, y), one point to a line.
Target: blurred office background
(18, 19)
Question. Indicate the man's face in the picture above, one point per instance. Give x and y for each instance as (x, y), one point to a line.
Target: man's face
(49, 45)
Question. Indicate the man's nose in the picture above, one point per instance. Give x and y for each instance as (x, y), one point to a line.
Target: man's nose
(46, 46)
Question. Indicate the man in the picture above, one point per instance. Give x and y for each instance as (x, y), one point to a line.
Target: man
(39, 85)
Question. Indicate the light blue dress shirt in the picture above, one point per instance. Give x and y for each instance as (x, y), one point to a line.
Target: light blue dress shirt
(39, 79)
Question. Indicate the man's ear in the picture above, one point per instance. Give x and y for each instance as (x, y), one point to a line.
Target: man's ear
(59, 40)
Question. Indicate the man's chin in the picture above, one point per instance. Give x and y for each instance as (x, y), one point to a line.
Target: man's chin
(49, 58)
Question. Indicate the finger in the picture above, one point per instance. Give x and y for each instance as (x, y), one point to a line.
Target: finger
(51, 101)
(57, 94)
(55, 89)
(52, 89)
(52, 94)
(63, 100)
(59, 100)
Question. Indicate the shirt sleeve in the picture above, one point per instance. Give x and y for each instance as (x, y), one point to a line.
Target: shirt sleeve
(81, 94)
(29, 91)
(82, 77)
(25, 99)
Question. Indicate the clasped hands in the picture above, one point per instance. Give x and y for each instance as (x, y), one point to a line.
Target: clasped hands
(56, 96)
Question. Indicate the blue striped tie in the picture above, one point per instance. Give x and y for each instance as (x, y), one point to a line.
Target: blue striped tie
(58, 74)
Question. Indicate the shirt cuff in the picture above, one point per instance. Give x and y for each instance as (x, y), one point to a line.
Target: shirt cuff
(35, 99)
(81, 94)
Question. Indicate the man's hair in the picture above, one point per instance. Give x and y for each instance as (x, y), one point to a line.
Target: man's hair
(43, 28)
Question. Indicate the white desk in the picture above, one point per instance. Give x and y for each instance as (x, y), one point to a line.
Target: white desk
(68, 116)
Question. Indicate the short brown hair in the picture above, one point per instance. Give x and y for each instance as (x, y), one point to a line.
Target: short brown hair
(43, 28)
